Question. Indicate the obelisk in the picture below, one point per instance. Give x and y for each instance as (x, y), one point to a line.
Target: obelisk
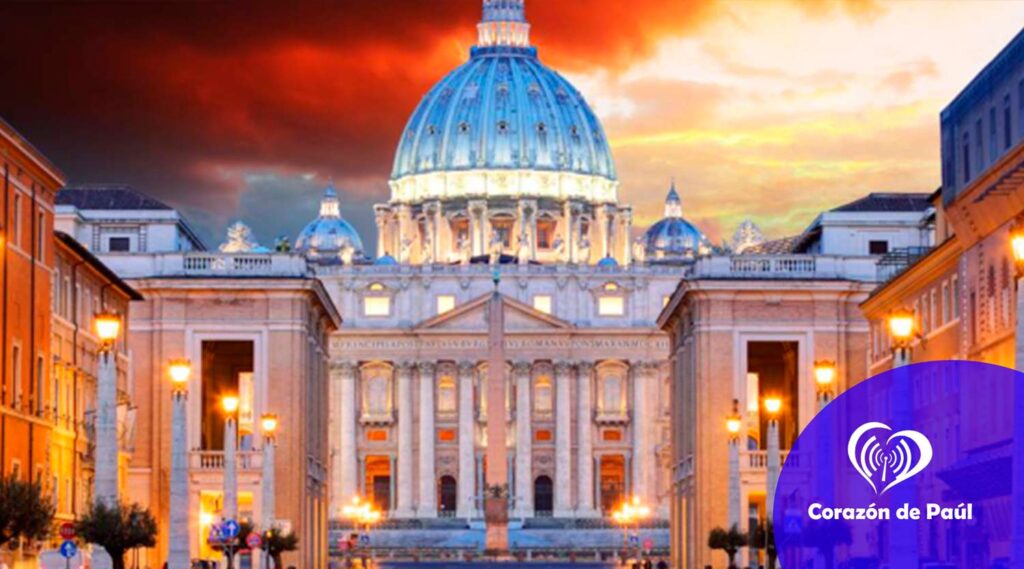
(496, 494)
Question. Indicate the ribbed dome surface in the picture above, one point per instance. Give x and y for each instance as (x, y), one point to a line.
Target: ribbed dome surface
(325, 238)
(673, 238)
(503, 110)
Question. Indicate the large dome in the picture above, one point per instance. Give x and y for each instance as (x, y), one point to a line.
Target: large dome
(503, 110)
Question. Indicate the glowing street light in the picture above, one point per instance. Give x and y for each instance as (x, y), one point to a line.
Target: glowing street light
(1017, 245)
(362, 513)
(179, 370)
(107, 325)
(229, 403)
(631, 513)
(773, 407)
(902, 328)
(825, 377)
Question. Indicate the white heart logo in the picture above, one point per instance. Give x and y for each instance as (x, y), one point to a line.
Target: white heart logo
(884, 463)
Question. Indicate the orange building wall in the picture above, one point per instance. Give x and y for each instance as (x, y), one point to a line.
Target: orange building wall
(30, 184)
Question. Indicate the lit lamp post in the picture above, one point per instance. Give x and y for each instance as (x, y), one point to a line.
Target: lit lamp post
(269, 424)
(628, 515)
(901, 328)
(178, 551)
(362, 513)
(230, 405)
(1017, 537)
(825, 378)
(107, 326)
(733, 424)
(772, 407)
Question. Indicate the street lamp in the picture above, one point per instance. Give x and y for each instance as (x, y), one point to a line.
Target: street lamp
(631, 513)
(229, 404)
(178, 551)
(107, 325)
(825, 378)
(268, 423)
(902, 328)
(772, 407)
(362, 513)
(1017, 482)
(733, 424)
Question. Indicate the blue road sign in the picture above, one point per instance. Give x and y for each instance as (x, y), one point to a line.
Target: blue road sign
(229, 529)
(68, 549)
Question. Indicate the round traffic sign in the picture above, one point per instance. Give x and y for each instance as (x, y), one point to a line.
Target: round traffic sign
(648, 544)
(253, 541)
(67, 530)
(230, 529)
(68, 549)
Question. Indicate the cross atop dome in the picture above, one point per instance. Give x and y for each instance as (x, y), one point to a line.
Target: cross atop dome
(504, 24)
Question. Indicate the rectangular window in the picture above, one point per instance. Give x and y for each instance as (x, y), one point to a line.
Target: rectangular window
(542, 303)
(445, 303)
(545, 234)
(16, 469)
(119, 244)
(446, 435)
(945, 303)
(16, 220)
(542, 435)
(40, 386)
(377, 306)
(954, 286)
(993, 144)
(16, 375)
(979, 144)
(967, 157)
(878, 247)
(611, 306)
(41, 235)
(1007, 124)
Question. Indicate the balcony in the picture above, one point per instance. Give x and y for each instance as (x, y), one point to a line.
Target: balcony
(756, 461)
(213, 460)
(786, 267)
(207, 264)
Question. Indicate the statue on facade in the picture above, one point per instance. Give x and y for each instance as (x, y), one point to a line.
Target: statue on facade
(282, 244)
(463, 249)
(639, 251)
(524, 253)
(428, 248)
(241, 240)
(559, 246)
(497, 246)
(403, 254)
(583, 257)
(347, 253)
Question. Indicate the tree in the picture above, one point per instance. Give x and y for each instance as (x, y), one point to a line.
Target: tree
(117, 528)
(764, 538)
(276, 543)
(24, 512)
(730, 541)
(826, 536)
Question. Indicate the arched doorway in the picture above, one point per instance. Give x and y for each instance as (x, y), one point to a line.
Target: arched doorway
(447, 497)
(613, 481)
(543, 496)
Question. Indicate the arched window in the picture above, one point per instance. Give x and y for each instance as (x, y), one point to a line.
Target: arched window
(543, 496)
(447, 496)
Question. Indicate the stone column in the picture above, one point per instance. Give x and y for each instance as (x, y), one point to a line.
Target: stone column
(467, 443)
(267, 484)
(381, 213)
(428, 485)
(584, 444)
(563, 440)
(178, 554)
(344, 463)
(106, 484)
(405, 507)
(643, 449)
(478, 226)
(524, 441)
(230, 509)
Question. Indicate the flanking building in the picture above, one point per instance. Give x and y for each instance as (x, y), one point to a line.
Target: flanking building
(963, 291)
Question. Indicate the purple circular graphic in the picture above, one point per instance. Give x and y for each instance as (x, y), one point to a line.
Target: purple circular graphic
(910, 469)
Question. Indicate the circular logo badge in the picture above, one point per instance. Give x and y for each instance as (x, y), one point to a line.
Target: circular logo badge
(911, 468)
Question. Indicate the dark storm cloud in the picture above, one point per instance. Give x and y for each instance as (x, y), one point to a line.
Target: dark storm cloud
(184, 99)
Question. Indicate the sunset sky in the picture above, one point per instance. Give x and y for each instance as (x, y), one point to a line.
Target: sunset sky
(767, 110)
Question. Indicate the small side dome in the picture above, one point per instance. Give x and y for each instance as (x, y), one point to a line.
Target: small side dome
(608, 262)
(386, 260)
(329, 239)
(674, 239)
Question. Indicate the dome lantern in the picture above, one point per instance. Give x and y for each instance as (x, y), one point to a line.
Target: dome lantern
(504, 24)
